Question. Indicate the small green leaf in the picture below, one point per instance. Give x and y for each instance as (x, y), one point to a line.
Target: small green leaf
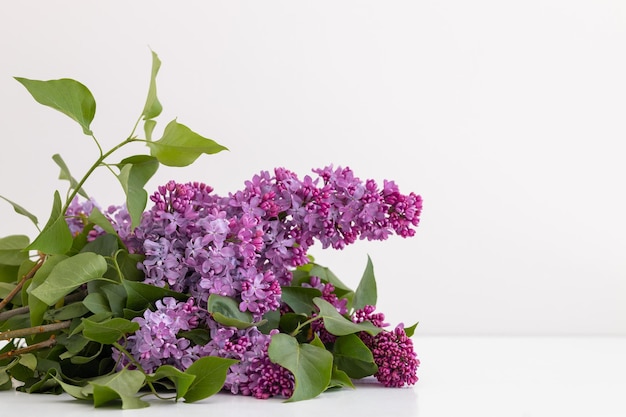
(55, 238)
(366, 293)
(325, 274)
(109, 331)
(225, 310)
(353, 357)
(142, 296)
(135, 172)
(148, 127)
(21, 210)
(339, 379)
(152, 107)
(409, 331)
(66, 175)
(180, 146)
(338, 325)
(73, 390)
(67, 312)
(310, 365)
(122, 385)
(65, 95)
(127, 265)
(105, 245)
(96, 217)
(37, 306)
(97, 303)
(210, 375)
(197, 336)
(12, 250)
(300, 299)
(74, 344)
(68, 275)
(182, 381)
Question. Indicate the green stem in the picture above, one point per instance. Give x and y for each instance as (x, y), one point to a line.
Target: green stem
(99, 161)
(134, 361)
(303, 324)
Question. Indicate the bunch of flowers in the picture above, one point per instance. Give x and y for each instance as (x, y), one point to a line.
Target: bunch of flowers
(198, 283)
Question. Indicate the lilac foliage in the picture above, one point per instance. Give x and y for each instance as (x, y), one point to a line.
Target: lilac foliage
(245, 246)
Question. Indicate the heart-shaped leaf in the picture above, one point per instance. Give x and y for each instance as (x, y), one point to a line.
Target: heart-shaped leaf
(210, 375)
(311, 365)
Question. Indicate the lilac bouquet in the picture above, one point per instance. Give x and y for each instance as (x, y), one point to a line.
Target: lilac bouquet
(198, 293)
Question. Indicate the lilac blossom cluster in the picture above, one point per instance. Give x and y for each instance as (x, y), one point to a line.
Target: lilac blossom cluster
(392, 350)
(245, 246)
(157, 341)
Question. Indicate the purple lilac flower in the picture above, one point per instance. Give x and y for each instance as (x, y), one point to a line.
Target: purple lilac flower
(156, 342)
(393, 353)
(392, 350)
(245, 246)
(255, 374)
(79, 211)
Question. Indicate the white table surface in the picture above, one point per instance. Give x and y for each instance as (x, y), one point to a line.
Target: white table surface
(459, 376)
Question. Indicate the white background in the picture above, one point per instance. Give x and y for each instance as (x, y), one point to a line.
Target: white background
(506, 116)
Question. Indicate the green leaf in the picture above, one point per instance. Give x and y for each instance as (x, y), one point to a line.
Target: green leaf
(148, 127)
(197, 336)
(135, 172)
(96, 217)
(338, 325)
(180, 146)
(5, 289)
(116, 297)
(68, 275)
(365, 293)
(300, 299)
(74, 344)
(37, 306)
(409, 331)
(182, 381)
(73, 390)
(310, 365)
(66, 175)
(127, 265)
(225, 310)
(65, 95)
(55, 237)
(12, 250)
(105, 245)
(97, 303)
(152, 107)
(9, 274)
(210, 375)
(325, 274)
(142, 296)
(21, 210)
(109, 331)
(67, 312)
(122, 385)
(339, 379)
(353, 357)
